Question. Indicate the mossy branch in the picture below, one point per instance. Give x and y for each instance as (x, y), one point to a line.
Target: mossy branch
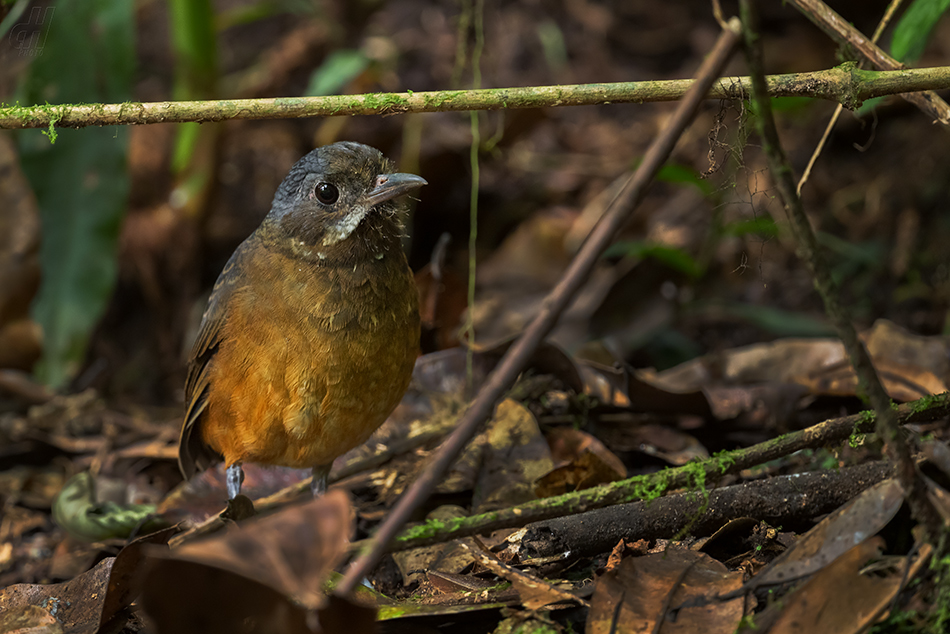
(646, 487)
(845, 84)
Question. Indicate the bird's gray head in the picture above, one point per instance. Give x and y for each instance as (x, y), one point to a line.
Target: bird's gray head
(339, 194)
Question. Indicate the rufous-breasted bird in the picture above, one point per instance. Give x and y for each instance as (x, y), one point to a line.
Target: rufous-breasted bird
(312, 328)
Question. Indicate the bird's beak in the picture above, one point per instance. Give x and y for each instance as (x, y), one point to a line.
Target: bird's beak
(388, 186)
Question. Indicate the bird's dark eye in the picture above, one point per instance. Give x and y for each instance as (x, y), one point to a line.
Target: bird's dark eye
(326, 193)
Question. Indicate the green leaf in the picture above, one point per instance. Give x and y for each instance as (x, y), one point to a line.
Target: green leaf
(913, 30)
(762, 226)
(195, 45)
(791, 104)
(81, 183)
(77, 510)
(676, 173)
(869, 106)
(337, 70)
(194, 41)
(776, 321)
(672, 257)
(552, 43)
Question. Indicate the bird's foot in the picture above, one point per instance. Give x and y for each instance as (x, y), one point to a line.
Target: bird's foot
(321, 473)
(234, 477)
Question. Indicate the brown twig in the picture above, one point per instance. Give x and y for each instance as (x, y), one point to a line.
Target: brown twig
(870, 384)
(518, 355)
(843, 32)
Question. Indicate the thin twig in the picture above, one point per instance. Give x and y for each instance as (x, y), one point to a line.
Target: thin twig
(517, 356)
(891, 10)
(870, 384)
(843, 84)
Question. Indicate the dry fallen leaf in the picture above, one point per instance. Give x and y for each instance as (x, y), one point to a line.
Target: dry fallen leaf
(835, 535)
(842, 599)
(264, 570)
(582, 461)
(90, 600)
(639, 594)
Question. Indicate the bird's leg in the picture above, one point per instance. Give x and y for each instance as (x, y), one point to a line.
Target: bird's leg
(318, 486)
(235, 476)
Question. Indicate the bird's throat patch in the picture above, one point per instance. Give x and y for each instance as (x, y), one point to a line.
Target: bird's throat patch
(342, 228)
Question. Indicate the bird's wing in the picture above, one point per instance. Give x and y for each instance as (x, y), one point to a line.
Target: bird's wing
(193, 454)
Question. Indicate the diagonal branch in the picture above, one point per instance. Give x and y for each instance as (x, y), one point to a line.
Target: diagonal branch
(843, 32)
(517, 356)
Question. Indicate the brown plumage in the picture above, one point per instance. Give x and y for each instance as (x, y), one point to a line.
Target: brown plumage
(312, 329)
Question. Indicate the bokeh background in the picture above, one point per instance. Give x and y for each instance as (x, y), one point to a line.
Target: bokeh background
(112, 237)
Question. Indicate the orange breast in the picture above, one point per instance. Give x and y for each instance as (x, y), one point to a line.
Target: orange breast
(311, 360)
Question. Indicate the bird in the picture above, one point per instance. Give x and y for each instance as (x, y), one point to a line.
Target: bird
(312, 329)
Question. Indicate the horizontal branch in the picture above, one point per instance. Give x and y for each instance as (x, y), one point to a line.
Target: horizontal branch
(844, 84)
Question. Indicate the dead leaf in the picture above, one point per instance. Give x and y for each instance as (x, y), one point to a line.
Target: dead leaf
(582, 462)
(29, 619)
(515, 455)
(835, 535)
(667, 443)
(637, 596)
(76, 604)
(820, 365)
(342, 615)
(289, 554)
(450, 582)
(185, 597)
(841, 598)
(89, 601)
(442, 300)
(535, 593)
(887, 340)
(902, 383)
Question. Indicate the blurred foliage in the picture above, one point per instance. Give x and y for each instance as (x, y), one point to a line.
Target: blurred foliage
(676, 259)
(763, 226)
(196, 67)
(686, 175)
(552, 41)
(775, 321)
(914, 28)
(16, 9)
(338, 69)
(81, 182)
(791, 104)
